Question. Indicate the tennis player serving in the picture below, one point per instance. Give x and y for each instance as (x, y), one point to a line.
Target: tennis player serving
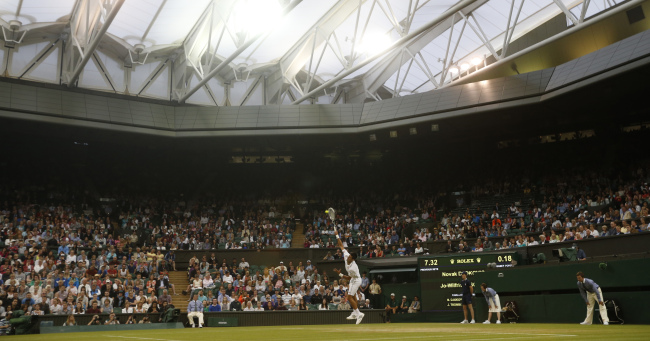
(353, 277)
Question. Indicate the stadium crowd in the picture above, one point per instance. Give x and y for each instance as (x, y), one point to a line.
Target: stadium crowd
(581, 205)
(62, 252)
(238, 286)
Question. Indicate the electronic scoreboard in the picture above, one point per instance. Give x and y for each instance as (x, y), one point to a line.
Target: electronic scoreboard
(440, 276)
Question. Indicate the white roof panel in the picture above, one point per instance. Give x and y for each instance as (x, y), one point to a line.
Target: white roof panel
(44, 11)
(175, 21)
(133, 19)
(164, 25)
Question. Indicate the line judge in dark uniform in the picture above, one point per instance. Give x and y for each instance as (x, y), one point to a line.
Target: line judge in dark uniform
(468, 290)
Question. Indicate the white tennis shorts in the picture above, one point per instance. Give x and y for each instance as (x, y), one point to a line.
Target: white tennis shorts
(494, 309)
(355, 283)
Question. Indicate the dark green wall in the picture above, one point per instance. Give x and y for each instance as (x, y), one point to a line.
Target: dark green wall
(408, 289)
(619, 273)
(568, 308)
(245, 319)
(626, 281)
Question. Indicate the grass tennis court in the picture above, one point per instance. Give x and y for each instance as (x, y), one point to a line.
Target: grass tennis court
(369, 332)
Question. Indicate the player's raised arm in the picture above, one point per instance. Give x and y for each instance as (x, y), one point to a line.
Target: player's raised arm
(338, 241)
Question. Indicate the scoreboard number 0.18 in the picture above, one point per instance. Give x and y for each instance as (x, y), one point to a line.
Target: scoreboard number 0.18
(506, 258)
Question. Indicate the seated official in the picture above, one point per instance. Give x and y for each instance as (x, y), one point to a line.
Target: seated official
(195, 309)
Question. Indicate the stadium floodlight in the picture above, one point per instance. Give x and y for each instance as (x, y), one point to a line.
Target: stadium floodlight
(464, 67)
(373, 43)
(453, 70)
(476, 61)
(255, 16)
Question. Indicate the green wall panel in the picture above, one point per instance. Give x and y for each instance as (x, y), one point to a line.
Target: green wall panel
(620, 273)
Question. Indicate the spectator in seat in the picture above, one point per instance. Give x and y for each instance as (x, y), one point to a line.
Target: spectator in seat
(450, 248)
(403, 306)
(302, 305)
(281, 306)
(95, 321)
(214, 307)
(165, 297)
(112, 319)
(170, 258)
(94, 308)
(391, 307)
(107, 307)
(37, 310)
(249, 306)
(70, 321)
(78, 309)
(415, 305)
(344, 305)
(235, 305)
(581, 255)
(292, 306)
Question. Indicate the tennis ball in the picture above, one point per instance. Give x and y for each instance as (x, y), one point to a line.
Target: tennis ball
(327, 211)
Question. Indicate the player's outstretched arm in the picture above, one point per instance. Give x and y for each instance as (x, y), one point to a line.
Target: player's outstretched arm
(339, 242)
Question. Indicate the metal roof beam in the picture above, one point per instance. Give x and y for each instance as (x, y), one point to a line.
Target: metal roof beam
(197, 43)
(293, 61)
(226, 62)
(377, 76)
(395, 49)
(87, 30)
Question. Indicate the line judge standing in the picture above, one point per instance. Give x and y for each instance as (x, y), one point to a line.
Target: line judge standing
(591, 293)
(468, 290)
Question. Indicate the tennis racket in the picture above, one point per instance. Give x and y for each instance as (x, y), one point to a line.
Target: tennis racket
(332, 214)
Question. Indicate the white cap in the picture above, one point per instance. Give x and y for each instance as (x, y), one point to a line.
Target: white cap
(392, 294)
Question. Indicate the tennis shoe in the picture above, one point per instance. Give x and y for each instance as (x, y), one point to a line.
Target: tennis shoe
(360, 317)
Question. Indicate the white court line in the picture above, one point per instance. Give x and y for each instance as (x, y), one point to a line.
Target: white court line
(139, 338)
(400, 337)
(435, 336)
(526, 334)
(498, 338)
(518, 334)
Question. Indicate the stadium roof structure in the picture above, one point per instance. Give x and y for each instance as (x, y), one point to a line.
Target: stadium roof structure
(267, 52)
